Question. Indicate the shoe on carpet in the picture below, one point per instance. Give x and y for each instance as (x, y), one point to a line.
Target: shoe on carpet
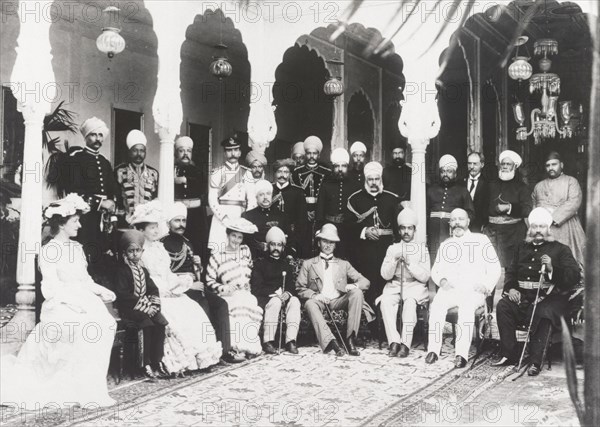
(431, 358)
(233, 357)
(534, 370)
(394, 348)
(149, 372)
(460, 362)
(291, 347)
(404, 350)
(335, 347)
(269, 347)
(352, 347)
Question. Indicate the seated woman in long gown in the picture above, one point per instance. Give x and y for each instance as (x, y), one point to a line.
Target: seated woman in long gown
(64, 360)
(190, 341)
(228, 274)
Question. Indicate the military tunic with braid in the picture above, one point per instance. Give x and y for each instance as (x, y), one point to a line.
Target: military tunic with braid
(290, 201)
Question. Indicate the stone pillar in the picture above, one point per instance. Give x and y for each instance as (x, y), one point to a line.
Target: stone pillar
(419, 122)
(169, 24)
(35, 89)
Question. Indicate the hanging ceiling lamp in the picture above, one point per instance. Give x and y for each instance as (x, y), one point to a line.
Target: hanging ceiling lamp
(520, 69)
(221, 67)
(110, 41)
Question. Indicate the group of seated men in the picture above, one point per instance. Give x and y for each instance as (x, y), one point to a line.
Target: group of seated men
(357, 238)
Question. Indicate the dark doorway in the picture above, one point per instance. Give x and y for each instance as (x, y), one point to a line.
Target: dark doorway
(124, 121)
(302, 107)
(361, 126)
(13, 136)
(201, 155)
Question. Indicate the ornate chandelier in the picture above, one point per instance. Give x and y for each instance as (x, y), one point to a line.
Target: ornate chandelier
(544, 120)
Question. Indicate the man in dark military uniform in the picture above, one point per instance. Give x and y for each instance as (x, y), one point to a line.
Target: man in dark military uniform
(358, 153)
(289, 199)
(538, 254)
(509, 204)
(310, 176)
(397, 176)
(137, 181)
(90, 174)
(374, 211)
(332, 205)
(442, 199)
(191, 191)
(264, 216)
(185, 261)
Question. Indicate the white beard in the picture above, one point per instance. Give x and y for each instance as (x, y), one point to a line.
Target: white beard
(506, 176)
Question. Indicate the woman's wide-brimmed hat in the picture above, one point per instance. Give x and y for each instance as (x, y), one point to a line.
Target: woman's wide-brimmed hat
(242, 225)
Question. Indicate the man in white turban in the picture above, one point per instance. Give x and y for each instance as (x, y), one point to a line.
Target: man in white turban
(310, 177)
(333, 200)
(358, 153)
(264, 216)
(373, 212)
(190, 189)
(442, 199)
(256, 162)
(273, 286)
(88, 173)
(537, 259)
(509, 204)
(406, 267)
(138, 182)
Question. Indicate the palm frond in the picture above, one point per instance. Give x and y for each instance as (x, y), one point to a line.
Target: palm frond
(529, 14)
(453, 11)
(60, 120)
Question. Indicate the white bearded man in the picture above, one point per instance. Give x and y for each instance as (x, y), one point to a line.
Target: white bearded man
(406, 266)
(466, 269)
(561, 195)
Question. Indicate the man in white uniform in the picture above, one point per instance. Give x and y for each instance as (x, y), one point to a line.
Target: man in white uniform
(466, 269)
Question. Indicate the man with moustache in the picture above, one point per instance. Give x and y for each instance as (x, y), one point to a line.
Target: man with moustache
(561, 195)
(309, 177)
(466, 270)
(256, 163)
(275, 291)
(538, 254)
(264, 216)
(478, 188)
(442, 199)
(298, 155)
(326, 281)
(332, 205)
(227, 195)
(137, 181)
(406, 266)
(184, 261)
(89, 174)
(510, 203)
(397, 176)
(190, 190)
(358, 153)
(289, 199)
(373, 211)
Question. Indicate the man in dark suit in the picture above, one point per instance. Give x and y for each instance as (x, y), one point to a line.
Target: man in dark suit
(326, 281)
(478, 188)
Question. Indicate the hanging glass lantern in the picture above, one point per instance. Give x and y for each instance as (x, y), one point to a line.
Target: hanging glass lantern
(221, 67)
(520, 69)
(110, 41)
(334, 87)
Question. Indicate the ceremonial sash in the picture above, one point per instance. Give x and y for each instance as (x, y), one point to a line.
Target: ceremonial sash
(233, 181)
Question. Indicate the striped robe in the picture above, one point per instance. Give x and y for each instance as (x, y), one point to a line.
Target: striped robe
(228, 275)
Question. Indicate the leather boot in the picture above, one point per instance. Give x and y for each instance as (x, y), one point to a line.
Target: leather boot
(333, 345)
(269, 347)
(394, 348)
(431, 358)
(291, 347)
(352, 346)
(403, 350)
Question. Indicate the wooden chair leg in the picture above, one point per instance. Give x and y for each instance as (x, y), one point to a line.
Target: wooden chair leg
(121, 354)
(140, 349)
(453, 333)
(546, 352)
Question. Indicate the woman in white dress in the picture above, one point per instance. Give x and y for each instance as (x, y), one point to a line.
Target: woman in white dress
(65, 359)
(190, 341)
(228, 274)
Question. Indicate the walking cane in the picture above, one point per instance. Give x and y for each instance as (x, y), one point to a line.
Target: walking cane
(535, 302)
(283, 274)
(336, 328)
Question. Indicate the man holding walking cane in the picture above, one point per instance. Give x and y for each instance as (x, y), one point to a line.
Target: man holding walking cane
(527, 301)
(273, 287)
(406, 266)
(329, 283)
